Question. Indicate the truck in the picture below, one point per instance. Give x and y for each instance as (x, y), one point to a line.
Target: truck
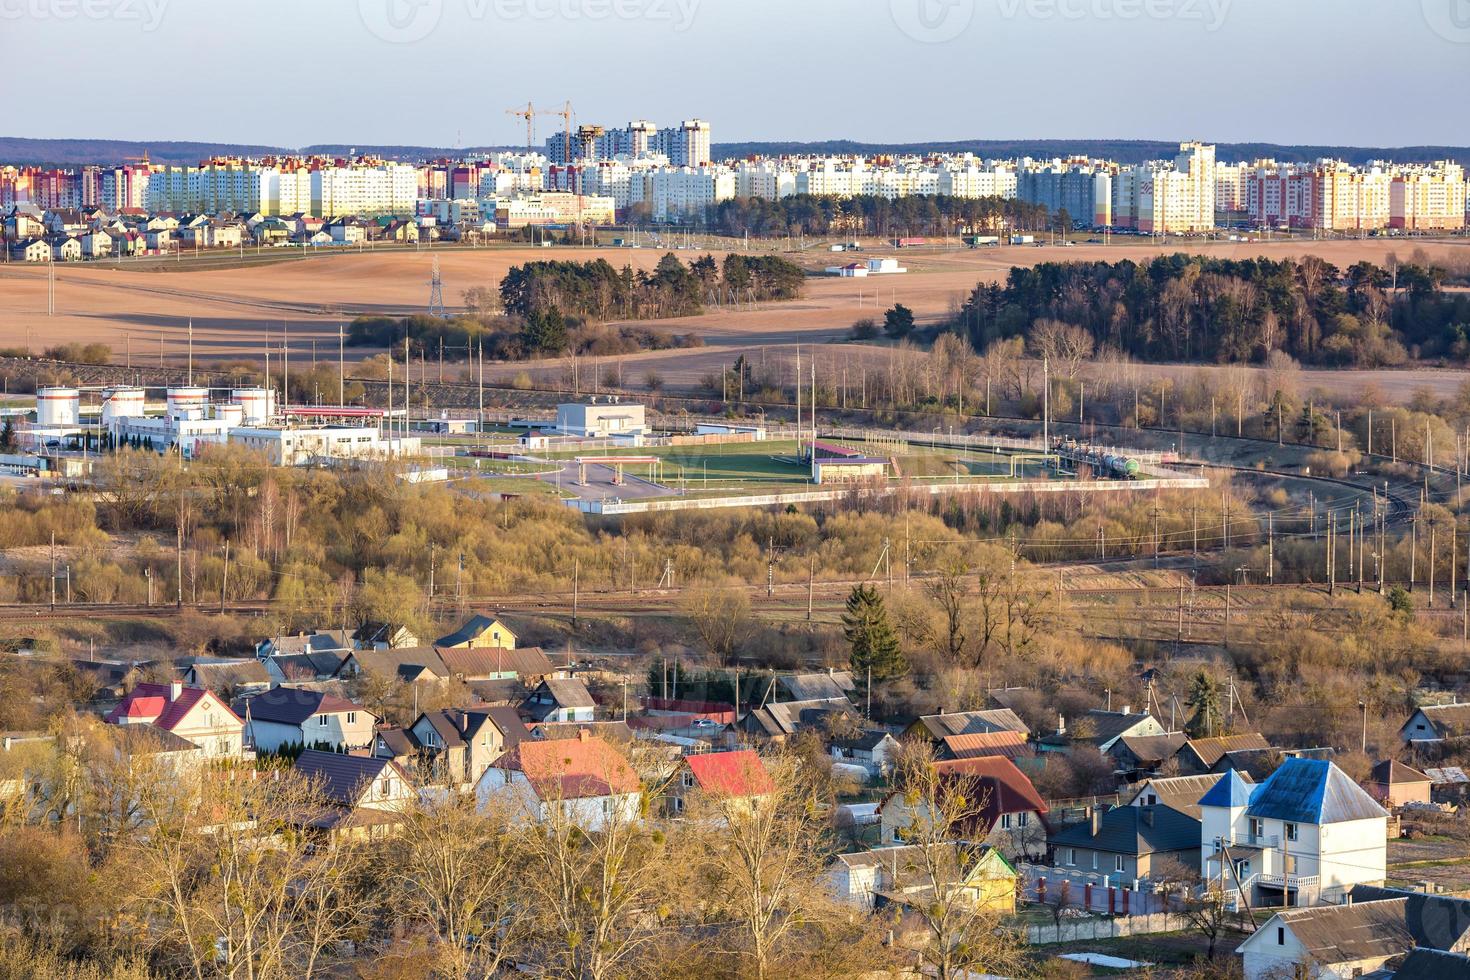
(909, 242)
(1023, 239)
(982, 241)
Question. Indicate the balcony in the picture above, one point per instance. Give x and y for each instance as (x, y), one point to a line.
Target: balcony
(1298, 882)
(1260, 842)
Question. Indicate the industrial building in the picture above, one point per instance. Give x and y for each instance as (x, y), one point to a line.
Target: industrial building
(601, 420)
(192, 418)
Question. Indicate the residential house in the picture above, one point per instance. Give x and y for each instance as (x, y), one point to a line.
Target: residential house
(619, 733)
(361, 796)
(900, 874)
(383, 636)
(31, 250)
(109, 680)
(227, 677)
(456, 746)
(1181, 793)
(1137, 757)
(1433, 964)
(169, 752)
(1433, 725)
(317, 641)
(584, 781)
(1447, 784)
(1394, 784)
(304, 668)
(935, 728)
(974, 745)
(479, 631)
(158, 239)
(96, 244)
(191, 713)
(1102, 729)
(407, 665)
(778, 721)
(1372, 931)
(1202, 755)
(874, 750)
(530, 665)
(560, 700)
(833, 685)
(1011, 814)
(284, 717)
(400, 230)
(66, 250)
(347, 231)
(1130, 842)
(739, 778)
(1306, 835)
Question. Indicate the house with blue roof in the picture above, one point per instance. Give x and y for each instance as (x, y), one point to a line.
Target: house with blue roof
(1304, 836)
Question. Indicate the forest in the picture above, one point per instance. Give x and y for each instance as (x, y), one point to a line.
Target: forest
(1192, 308)
(868, 214)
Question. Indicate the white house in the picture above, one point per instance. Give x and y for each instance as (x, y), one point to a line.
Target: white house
(191, 713)
(601, 420)
(360, 795)
(874, 751)
(560, 700)
(66, 250)
(585, 781)
(1306, 835)
(285, 716)
(1433, 724)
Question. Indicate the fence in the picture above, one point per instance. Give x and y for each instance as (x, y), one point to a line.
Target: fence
(1092, 891)
(1089, 929)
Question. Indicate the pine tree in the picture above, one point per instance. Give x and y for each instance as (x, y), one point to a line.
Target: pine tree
(7, 434)
(874, 643)
(1204, 698)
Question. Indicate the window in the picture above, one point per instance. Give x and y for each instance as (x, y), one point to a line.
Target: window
(1153, 799)
(386, 787)
(1094, 860)
(1005, 821)
(321, 721)
(1254, 827)
(352, 717)
(1118, 863)
(1022, 819)
(1290, 830)
(1280, 935)
(1072, 856)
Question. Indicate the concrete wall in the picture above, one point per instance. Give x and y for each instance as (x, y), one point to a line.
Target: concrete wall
(1087, 930)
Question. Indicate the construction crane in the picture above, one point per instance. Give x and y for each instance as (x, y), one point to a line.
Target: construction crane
(528, 115)
(566, 128)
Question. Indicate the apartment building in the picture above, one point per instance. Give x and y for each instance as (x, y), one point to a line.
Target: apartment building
(1086, 192)
(686, 191)
(1428, 199)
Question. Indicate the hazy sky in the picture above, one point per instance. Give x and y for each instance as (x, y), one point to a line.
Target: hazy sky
(441, 72)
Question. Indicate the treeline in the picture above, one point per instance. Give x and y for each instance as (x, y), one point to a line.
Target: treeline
(869, 214)
(1192, 308)
(599, 291)
(546, 333)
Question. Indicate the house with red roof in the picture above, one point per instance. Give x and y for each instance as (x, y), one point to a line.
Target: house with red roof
(191, 713)
(722, 776)
(583, 780)
(1009, 814)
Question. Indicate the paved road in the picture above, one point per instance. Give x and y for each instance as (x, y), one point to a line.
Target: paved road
(600, 484)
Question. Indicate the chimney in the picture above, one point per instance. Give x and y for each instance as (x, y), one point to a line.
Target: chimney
(1127, 709)
(1061, 724)
(1094, 819)
(175, 690)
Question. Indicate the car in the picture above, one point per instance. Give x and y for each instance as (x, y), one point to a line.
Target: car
(706, 724)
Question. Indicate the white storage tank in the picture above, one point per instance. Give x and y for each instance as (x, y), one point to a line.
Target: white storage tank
(258, 404)
(57, 407)
(231, 414)
(187, 403)
(124, 402)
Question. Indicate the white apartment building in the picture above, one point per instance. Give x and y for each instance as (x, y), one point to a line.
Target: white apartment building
(688, 145)
(1428, 198)
(124, 187)
(687, 191)
(765, 179)
(977, 182)
(1197, 162)
(390, 188)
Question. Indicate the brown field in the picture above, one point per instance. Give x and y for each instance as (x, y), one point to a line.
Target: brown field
(143, 312)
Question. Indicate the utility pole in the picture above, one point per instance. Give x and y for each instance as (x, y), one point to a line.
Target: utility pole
(224, 580)
(53, 571)
(576, 590)
(1270, 548)
(811, 584)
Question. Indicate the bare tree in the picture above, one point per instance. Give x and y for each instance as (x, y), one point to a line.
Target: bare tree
(720, 615)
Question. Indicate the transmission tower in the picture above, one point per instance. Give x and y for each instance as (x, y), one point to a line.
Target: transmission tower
(436, 292)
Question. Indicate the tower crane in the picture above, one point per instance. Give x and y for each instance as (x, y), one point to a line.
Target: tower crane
(528, 115)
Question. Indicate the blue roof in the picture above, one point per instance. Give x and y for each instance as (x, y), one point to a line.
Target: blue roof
(1312, 791)
(1231, 791)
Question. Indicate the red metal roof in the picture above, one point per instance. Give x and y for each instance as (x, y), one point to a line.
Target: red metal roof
(981, 744)
(572, 768)
(154, 702)
(731, 773)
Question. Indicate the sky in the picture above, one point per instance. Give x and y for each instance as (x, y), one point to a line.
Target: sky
(442, 72)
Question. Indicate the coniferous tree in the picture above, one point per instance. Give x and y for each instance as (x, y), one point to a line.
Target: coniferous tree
(874, 644)
(1204, 698)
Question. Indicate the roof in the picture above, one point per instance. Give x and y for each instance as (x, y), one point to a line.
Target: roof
(470, 631)
(1312, 791)
(1007, 789)
(1230, 790)
(155, 704)
(1153, 749)
(1433, 964)
(1344, 933)
(1109, 725)
(1009, 744)
(787, 717)
(233, 673)
(484, 662)
(574, 768)
(865, 741)
(292, 705)
(1391, 772)
(972, 722)
(558, 692)
(1209, 750)
(143, 739)
(1449, 720)
(1135, 830)
(1181, 793)
(318, 642)
(614, 731)
(1434, 921)
(342, 778)
(309, 666)
(816, 686)
(403, 662)
(1447, 776)
(730, 773)
(398, 741)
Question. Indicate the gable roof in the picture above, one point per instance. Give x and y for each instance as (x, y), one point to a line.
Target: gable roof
(1449, 720)
(1391, 772)
(155, 704)
(788, 717)
(150, 739)
(293, 705)
(1135, 830)
(1181, 793)
(484, 662)
(973, 745)
(469, 631)
(730, 773)
(1110, 725)
(617, 732)
(816, 686)
(1209, 750)
(864, 741)
(1433, 964)
(1434, 921)
(555, 693)
(1152, 749)
(342, 778)
(1312, 791)
(569, 769)
(1006, 788)
(229, 673)
(404, 663)
(309, 666)
(973, 722)
(1343, 933)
